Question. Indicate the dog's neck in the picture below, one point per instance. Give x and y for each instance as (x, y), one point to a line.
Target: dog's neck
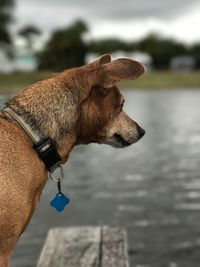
(49, 108)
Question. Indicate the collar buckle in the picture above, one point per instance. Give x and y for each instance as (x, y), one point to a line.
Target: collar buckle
(47, 151)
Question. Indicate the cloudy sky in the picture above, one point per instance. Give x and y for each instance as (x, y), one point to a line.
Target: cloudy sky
(129, 19)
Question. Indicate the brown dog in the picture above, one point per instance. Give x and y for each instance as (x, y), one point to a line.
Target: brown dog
(78, 106)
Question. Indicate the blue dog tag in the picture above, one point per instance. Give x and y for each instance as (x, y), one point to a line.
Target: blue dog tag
(59, 202)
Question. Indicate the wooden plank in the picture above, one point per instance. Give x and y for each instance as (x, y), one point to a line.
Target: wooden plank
(114, 247)
(85, 247)
(71, 247)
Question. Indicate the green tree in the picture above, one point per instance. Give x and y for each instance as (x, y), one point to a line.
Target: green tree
(5, 19)
(65, 49)
(109, 45)
(195, 49)
(29, 33)
(161, 49)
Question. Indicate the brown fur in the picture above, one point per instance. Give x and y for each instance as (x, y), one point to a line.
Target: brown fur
(79, 105)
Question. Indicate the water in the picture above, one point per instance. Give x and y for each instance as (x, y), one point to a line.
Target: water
(151, 188)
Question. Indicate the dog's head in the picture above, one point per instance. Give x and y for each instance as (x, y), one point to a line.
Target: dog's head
(101, 115)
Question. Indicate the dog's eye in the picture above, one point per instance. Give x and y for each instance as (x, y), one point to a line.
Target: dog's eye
(120, 106)
(104, 92)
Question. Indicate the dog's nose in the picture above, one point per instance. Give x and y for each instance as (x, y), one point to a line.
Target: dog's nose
(141, 132)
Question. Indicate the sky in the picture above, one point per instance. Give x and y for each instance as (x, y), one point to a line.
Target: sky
(127, 19)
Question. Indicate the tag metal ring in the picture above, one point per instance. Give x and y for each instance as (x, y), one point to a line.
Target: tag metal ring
(57, 177)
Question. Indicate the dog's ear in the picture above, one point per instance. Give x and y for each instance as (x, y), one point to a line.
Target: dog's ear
(118, 70)
(104, 59)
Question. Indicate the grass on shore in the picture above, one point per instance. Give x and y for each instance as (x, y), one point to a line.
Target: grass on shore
(11, 83)
(166, 80)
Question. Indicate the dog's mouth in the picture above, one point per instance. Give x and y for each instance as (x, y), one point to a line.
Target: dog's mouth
(117, 141)
(120, 141)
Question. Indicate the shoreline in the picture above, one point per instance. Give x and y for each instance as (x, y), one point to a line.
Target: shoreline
(157, 80)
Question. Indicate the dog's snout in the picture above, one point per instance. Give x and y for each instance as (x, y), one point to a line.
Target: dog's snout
(141, 132)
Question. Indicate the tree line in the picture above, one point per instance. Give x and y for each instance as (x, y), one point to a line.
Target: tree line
(67, 48)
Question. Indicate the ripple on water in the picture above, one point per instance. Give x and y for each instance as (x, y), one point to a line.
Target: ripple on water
(120, 195)
(192, 185)
(187, 195)
(194, 139)
(188, 206)
(130, 208)
(134, 177)
(152, 222)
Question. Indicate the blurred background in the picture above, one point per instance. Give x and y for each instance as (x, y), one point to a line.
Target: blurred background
(153, 187)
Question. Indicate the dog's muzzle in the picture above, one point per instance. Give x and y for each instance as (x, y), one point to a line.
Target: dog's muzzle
(120, 141)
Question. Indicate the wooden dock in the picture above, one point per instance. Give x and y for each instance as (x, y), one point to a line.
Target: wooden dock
(85, 247)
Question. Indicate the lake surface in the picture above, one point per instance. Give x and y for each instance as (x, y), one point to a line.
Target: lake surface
(151, 188)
